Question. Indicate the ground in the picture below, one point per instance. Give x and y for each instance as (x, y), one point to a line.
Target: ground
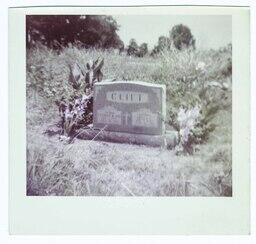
(86, 168)
(112, 169)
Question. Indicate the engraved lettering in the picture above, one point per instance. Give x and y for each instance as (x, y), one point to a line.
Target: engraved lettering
(127, 97)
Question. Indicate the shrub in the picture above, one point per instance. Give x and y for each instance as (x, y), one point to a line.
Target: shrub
(192, 101)
(182, 37)
(133, 48)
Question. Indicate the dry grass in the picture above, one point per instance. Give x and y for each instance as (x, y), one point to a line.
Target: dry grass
(98, 168)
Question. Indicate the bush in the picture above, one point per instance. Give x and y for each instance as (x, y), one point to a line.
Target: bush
(182, 37)
(192, 100)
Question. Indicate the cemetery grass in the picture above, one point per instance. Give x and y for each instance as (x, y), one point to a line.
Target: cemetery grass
(94, 168)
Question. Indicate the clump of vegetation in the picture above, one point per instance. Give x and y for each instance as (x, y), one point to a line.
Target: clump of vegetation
(134, 49)
(182, 37)
(196, 85)
(77, 111)
(163, 45)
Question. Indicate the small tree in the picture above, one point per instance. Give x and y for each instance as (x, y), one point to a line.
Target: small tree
(133, 48)
(181, 37)
(143, 50)
(164, 43)
(155, 51)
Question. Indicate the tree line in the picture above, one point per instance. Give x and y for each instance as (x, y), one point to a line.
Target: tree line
(54, 31)
(180, 37)
(97, 31)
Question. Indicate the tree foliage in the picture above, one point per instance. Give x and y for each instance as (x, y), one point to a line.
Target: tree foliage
(134, 49)
(164, 44)
(182, 37)
(97, 31)
(143, 50)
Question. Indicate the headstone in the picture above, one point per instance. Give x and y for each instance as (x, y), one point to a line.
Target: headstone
(130, 106)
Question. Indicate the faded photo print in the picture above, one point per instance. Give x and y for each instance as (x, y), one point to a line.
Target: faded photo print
(129, 105)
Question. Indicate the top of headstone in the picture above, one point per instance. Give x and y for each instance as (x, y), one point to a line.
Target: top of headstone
(143, 83)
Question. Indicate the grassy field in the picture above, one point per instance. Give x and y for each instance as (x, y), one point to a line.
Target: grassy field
(99, 168)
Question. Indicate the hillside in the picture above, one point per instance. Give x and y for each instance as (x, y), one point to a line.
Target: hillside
(86, 168)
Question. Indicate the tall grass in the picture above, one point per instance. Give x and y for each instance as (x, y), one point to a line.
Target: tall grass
(98, 168)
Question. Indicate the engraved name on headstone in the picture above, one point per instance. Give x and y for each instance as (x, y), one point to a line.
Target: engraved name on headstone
(130, 106)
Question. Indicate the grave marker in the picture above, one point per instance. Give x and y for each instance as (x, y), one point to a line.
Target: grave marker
(130, 106)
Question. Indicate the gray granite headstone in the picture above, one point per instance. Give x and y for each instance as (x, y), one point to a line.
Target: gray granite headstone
(130, 106)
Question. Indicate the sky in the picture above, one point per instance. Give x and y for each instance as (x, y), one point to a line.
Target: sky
(210, 31)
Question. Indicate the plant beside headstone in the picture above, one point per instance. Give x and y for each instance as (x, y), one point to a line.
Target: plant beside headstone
(76, 111)
(193, 125)
(193, 105)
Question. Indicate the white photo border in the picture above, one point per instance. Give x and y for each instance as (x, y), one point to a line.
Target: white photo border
(130, 215)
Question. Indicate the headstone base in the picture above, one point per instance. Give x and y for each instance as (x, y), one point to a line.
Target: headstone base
(170, 139)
